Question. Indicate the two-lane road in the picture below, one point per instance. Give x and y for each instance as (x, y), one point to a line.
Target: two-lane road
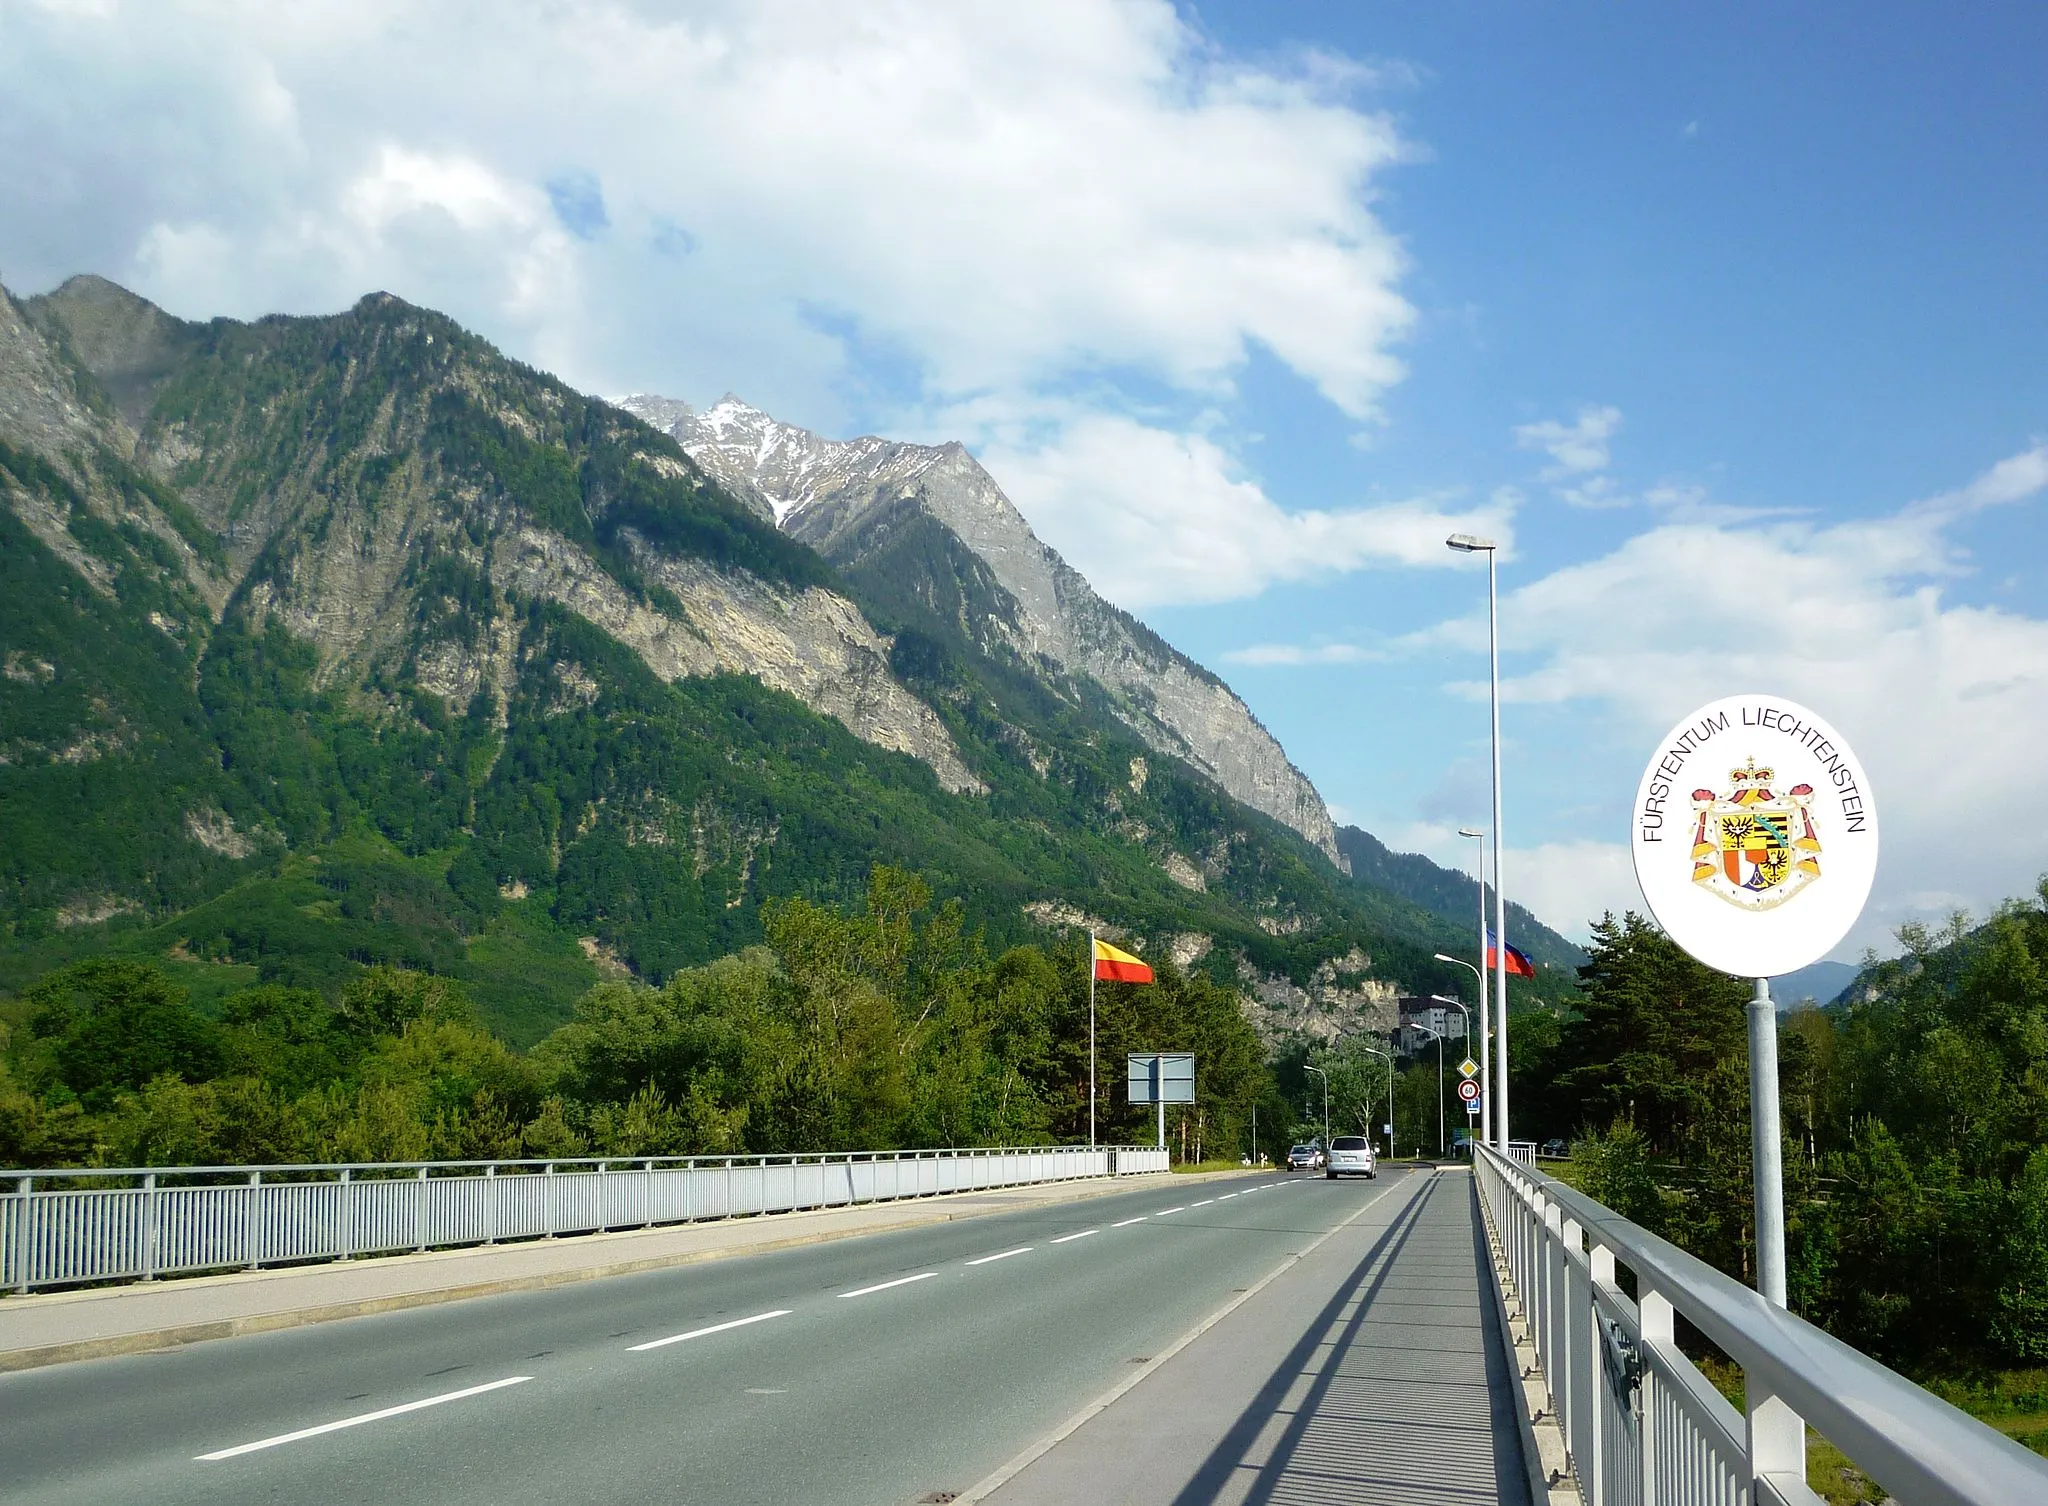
(882, 1369)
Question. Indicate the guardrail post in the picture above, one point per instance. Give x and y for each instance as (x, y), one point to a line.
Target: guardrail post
(23, 1187)
(149, 1226)
(1777, 1444)
(345, 1215)
(548, 1200)
(1654, 1319)
(491, 1204)
(419, 1214)
(1593, 1468)
(252, 1218)
(647, 1192)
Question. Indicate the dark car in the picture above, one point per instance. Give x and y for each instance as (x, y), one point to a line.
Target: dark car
(1305, 1157)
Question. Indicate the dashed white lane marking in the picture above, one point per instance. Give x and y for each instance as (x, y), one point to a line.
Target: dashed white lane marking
(1181, 1209)
(883, 1286)
(698, 1333)
(1226, 1197)
(1205, 1202)
(1082, 1235)
(1129, 1221)
(356, 1422)
(1004, 1255)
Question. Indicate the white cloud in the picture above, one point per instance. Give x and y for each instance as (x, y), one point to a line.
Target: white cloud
(1578, 448)
(1946, 703)
(1595, 494)
(1572, 884)
(1151, 516)
(1261, 655)
(979, 202)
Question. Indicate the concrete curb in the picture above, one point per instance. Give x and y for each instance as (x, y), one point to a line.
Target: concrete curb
(932, 1210)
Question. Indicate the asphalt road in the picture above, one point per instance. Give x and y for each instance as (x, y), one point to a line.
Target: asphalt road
(884, 1369)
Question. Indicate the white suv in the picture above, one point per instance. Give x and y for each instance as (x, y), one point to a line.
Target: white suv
(1350, 1156)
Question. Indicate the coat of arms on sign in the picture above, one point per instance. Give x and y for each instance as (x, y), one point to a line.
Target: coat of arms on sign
(1753, 848)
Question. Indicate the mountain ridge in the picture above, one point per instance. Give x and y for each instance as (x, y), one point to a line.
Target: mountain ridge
(833, 493)
(338, 640)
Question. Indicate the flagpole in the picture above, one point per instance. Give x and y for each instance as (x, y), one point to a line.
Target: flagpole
(1091, 1040)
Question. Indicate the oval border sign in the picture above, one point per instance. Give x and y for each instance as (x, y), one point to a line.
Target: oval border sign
(1755, 836)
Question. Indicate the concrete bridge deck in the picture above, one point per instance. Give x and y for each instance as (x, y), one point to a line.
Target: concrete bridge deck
(1371, 1373)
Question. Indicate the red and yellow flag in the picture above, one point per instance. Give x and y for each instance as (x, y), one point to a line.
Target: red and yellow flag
(1113, 966)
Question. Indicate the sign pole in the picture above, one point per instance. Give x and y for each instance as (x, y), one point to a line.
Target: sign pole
(1763, 1144)
(1755, 842)
(1091, 1043)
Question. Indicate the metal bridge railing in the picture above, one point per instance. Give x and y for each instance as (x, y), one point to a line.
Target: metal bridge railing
(1643, 1427)
(65, 1227)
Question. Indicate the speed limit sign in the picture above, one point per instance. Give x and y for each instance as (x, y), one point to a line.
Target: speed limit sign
(1468, 1091)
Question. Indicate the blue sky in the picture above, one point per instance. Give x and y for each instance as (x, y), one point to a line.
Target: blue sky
(1731, 320)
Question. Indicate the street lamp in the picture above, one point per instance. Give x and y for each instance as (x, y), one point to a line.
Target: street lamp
(1485, 1107)
(1466, 543)
(1485, 1019)
(1439, 1035)
(1326, 1109)
(1459, 1006)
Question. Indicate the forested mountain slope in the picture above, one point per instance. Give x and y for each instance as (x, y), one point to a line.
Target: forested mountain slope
(1452, 895)
(344, 640)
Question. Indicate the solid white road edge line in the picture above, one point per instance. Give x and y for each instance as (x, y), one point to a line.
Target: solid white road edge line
(698, 1333)
(885, 1285)
(356, 1422)
(1082, 1235)
(988, 1487)
(1004, 1255)
(1129, 1221)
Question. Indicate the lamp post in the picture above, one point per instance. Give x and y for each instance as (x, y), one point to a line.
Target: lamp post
(1459, 1006)
(1326, 1109)
(1485, 1022)
(1485, 1103)
(1466, 543)
(1439, 1035)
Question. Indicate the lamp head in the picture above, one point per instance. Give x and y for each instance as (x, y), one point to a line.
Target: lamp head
(1468, 831)
(1470, 543)
(1442, 957)
(1447, 999)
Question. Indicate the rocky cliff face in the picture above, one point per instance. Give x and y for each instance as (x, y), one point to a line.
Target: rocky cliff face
(838, 496)
(340, 560)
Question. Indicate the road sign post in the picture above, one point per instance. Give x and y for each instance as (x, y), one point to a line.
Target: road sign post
(1759, 870)
(1161, 1077)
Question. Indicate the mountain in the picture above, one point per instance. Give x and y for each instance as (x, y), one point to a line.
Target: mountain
(340, 640)
(1819, 983)
(871, 506)
(1452, 895)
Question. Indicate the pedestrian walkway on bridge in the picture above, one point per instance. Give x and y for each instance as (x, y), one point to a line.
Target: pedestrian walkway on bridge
(1371, 1372)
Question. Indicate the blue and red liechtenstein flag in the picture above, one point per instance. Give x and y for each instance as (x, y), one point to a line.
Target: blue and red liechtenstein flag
(1519, 965)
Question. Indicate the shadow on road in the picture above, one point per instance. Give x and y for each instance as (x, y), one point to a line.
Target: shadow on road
(1397, 1392)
